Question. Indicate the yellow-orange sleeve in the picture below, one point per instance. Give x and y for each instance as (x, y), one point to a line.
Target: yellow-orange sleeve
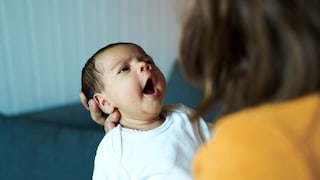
(249, 150)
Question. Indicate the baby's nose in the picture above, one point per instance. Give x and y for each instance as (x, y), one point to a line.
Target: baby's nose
(143, 66)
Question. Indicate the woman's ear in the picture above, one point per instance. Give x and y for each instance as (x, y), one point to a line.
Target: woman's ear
(103, 103)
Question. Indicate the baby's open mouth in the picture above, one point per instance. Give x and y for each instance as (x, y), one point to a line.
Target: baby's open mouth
(148, 89)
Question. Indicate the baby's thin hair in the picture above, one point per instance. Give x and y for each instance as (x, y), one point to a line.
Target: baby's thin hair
(91, 76)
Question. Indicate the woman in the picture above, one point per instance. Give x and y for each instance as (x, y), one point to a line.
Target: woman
(261, 60)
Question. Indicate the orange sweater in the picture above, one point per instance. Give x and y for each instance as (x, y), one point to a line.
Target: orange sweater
(274, 141)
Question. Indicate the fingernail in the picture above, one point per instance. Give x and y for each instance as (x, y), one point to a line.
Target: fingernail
(90, 103)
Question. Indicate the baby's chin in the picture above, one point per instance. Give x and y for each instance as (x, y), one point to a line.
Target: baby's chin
(153, 113)
(147, 112)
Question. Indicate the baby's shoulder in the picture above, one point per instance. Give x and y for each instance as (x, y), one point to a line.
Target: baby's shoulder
(177, 108)
(181, 116)
(180, 113)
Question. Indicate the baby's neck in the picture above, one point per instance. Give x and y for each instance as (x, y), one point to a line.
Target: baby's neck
(142, 125)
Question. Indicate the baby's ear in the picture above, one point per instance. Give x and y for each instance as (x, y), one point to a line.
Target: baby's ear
(103, 103)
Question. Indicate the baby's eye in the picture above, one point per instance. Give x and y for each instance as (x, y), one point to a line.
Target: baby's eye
(124, 69)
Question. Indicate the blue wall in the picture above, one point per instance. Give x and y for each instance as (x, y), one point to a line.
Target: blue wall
(45, 43)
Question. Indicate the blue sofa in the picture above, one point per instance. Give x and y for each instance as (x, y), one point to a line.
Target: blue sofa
(60, 143)
(57, 143)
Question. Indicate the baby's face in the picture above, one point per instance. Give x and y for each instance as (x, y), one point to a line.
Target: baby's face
(132, 82)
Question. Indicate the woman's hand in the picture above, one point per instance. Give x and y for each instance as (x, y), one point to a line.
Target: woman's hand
(108, 121)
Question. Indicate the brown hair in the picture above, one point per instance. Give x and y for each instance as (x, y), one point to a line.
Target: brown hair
(91, 76)
(248, 52)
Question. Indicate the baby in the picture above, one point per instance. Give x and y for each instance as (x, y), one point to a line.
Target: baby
(151, 141)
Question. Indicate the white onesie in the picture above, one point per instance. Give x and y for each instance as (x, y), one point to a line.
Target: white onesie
(165, 152)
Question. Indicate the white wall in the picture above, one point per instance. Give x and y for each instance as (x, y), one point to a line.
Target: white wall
(45, 43)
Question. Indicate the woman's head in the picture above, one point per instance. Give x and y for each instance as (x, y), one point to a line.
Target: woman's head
(249, 52)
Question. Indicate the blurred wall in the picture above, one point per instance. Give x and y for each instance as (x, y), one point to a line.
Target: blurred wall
(45, 43)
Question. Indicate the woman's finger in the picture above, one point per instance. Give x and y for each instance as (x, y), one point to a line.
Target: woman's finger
(112, 120)
(84, 100)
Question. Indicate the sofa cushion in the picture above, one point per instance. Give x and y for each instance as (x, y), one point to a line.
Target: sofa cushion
(71, 115)
(39, 150)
